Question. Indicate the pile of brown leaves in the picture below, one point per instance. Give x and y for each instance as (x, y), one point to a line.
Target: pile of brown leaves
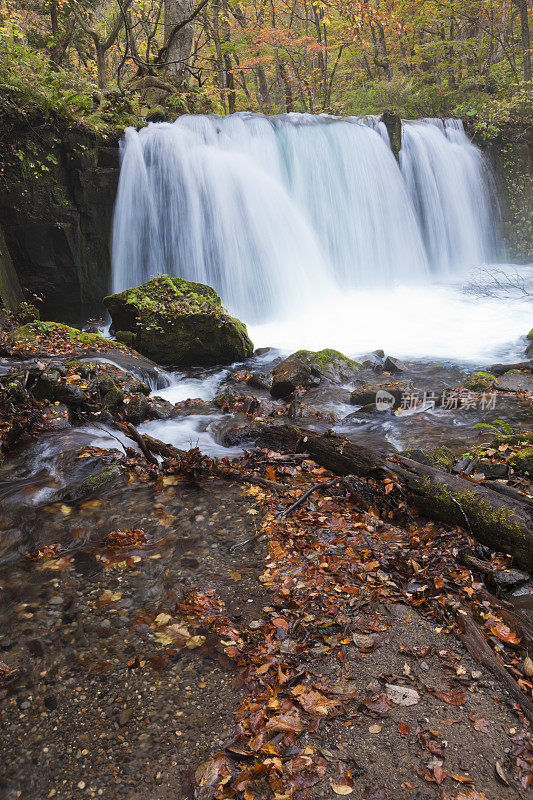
(330, 566)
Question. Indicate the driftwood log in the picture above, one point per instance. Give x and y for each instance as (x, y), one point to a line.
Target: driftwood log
(474, 640)
(500, 518)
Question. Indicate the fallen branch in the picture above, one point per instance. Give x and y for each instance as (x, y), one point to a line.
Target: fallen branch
(303, 497)
(136, 436)
(478, 647)
(216, 467)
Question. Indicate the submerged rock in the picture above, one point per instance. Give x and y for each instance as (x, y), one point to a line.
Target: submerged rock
(326, 400)
(393, 365)
(515, 381)
(307, 369)
(93, 484)
(179, 322)
(367, 397)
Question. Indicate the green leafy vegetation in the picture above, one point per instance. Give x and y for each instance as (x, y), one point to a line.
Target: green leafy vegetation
(116, 63)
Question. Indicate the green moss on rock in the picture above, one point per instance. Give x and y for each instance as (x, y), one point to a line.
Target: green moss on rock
(329, 363)
(41, 335)
(179, 322)
(126, 337)
(479, 381)
(522, 461)
(99, 480)
(441, 457)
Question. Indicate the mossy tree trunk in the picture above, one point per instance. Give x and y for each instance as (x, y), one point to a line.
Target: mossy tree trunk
(179, 42)
(502, 520)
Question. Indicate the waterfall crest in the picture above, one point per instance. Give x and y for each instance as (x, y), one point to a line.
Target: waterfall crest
(275, 211)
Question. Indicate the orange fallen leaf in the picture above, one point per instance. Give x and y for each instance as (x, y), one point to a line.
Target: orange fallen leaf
(504, 633)
(439, 774)
(455, 697)
(461, 778)
(404, 728)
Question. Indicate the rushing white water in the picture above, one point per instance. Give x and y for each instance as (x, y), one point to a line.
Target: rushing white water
(283, 212)
(453, 202)
(426, 321)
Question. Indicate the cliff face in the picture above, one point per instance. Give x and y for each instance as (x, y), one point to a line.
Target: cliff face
(57, 188)
(511, 155)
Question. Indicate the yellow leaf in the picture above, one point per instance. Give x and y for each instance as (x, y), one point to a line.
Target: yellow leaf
(195, 641)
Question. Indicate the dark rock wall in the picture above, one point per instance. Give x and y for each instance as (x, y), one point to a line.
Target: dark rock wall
(511, 156)
(513, 162)
(57, 189)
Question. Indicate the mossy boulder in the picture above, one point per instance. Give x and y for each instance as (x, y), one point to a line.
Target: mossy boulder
(530, 335)
(332, 366)
(179, 322)
(522, 461)
(479, 381)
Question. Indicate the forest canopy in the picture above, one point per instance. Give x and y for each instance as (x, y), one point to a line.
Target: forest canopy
(469, 58)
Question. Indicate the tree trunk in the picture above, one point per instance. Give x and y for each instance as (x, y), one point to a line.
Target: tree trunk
(500, 518)
(100, 64)
(263, 89)
(521, 5)
(230, 83)
(180, 45)
(53, 17)
(289, 99)
(526, 40)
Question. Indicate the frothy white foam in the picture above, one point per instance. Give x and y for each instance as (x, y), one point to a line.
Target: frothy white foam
(426, 321)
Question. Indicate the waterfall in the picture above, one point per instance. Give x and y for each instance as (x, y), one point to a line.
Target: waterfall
(277, 211)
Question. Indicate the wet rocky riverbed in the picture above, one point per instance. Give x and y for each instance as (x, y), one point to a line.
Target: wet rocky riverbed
(99, 552)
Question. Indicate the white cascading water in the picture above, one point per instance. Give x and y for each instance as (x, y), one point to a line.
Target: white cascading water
(313, 233)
